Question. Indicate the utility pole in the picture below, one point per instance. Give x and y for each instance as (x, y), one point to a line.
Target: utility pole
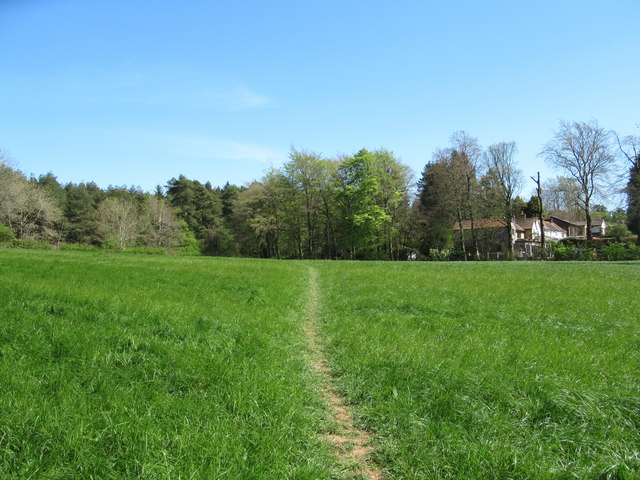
(539, 194)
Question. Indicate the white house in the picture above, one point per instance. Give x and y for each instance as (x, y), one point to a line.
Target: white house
(531, 227)
(578, 228)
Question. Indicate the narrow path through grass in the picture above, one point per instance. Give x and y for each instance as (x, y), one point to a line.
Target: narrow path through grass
(350, 442)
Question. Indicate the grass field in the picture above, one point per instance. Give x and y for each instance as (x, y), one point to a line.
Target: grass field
(118, 366)
(490, 370)
(128, 366)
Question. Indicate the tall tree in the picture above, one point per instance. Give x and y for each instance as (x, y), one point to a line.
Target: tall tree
(500, 160)
(465, 160)
(199, 205)
(629, 147)
(304, 173)
(394, 200)
(436, 206)
(361, 213)
(561, 194)
(163, 228)
(80, 212)
(583, 150)
(458, 184)
(119, 221)
(26, 207)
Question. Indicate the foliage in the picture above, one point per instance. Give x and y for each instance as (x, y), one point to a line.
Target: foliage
(6, 234)
(80, 212)
(633, 199)
(25, 207)
(119, 222)
(29, 244)
(571, 251)
(619, 251)
(618, 232)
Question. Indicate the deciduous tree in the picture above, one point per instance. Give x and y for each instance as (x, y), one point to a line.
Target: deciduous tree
(630, 150)
(583, 150)
(119, 221)
(506, 180)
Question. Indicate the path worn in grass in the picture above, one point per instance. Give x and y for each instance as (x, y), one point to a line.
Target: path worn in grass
(351, 443)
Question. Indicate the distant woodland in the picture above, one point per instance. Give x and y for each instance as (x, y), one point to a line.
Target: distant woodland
(361, 206)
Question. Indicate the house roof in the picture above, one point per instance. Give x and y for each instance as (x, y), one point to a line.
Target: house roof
(550, 226)
(595, 221)
(527, 224)
(482, 223)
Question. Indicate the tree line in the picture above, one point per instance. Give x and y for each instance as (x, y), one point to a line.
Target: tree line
(360, 206)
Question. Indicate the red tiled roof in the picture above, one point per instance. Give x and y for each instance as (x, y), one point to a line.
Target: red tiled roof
(482, 223)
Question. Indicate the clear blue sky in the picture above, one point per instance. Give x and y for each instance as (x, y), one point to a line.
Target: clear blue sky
(136, 92)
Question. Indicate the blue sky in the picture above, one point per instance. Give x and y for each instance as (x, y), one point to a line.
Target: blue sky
(136, 92)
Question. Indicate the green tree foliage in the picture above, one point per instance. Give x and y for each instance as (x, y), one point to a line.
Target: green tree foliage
(618, 232)
(530, 208)
(255, 223)
(629, 148)
(54, 189)
(633, 199)
(80, 212)
(6, 234)
(360, 202)
(435, 211)
(200, 206)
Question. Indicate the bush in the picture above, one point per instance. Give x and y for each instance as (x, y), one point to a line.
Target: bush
(573, 251)
(620, 251)
(6, 234)
(29, 243)
(439, 255)
(618, 232)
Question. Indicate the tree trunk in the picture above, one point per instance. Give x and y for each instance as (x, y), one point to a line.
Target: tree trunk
(464, 248)
(588, 215)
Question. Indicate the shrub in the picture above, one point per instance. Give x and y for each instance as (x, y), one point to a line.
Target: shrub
(6, 234)
(573, 251)
(618, 232)
(439, 255)
(620, 251)
(29, 243)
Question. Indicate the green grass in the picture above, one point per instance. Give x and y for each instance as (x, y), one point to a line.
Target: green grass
(492, 370)
(135, 366)
(118, 366)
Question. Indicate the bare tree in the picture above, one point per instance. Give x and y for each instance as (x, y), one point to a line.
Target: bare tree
(466, 155)
(500, 160)
(583, 150)
(118, 218)
(561, 193)
(25, 207)
(164, 229)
